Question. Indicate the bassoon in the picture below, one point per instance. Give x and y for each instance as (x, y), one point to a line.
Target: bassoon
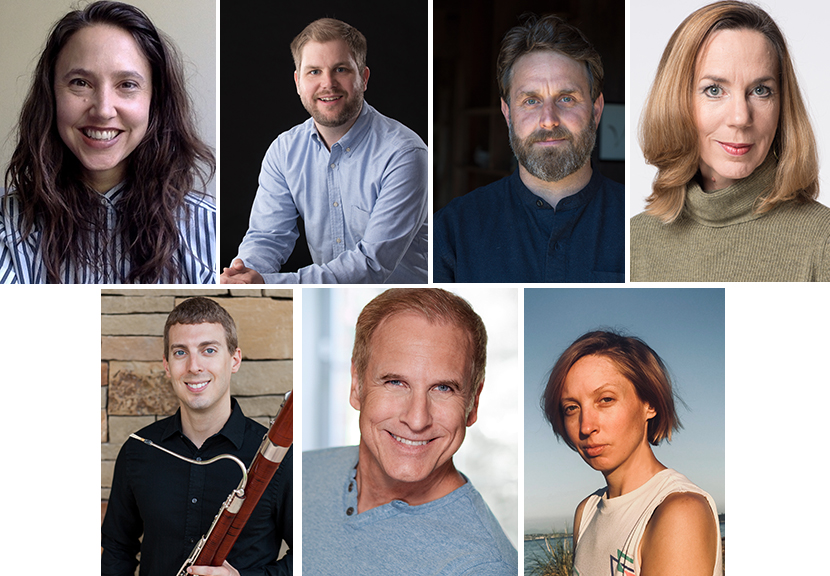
(213, 548)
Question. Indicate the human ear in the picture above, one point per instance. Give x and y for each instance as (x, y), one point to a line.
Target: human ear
(354, 395)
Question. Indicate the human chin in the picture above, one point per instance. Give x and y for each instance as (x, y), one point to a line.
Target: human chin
(338, 115)
(722, 166)
(406, 457)
(554, 163)
(102, 157)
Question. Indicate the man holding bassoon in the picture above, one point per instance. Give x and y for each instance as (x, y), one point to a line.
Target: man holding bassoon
(395, 504)
(163, 507)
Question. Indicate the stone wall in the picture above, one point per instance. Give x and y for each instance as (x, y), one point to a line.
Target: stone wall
(134, 388)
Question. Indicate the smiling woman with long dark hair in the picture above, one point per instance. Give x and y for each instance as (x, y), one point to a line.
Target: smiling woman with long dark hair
(104, 185)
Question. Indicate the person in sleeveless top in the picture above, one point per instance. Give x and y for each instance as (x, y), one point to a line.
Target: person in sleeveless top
(609, 397)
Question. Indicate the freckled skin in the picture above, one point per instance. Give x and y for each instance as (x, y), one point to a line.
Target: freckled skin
(736, 102)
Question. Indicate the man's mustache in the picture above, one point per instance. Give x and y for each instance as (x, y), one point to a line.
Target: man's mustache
(541, 135)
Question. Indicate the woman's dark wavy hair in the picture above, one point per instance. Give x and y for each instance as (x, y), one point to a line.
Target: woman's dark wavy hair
(161, 171)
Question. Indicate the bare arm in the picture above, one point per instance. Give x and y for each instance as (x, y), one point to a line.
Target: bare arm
(680, 539)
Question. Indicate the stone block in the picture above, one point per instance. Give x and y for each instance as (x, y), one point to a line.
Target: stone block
(265, 326)
(103, 426)
(104, 397)
(178, 292)
(107, 468)
(120, 428)
(135, 348)
(260, 406)
(278, 292)
(139, 389)
(245, 292)
(137, 304)
(263, 377)
(104, 373)
(133, 324)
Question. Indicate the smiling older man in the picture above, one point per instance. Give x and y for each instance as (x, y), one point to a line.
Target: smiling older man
(396, 504)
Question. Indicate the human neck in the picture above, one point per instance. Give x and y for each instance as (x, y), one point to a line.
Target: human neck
(375, 488)
(332, 135)
(103, 182)
(199, 425)
(633, 473)
(553, 192)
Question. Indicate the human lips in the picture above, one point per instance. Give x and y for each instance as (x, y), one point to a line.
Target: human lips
(329, 97)
(735, 149)
(100, 135)
(593, 450)
(408, 441)
(196, 386)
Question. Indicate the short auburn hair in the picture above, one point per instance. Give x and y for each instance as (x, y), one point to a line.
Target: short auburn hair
(668, 131)
(326, 30)
(200, 310)
(547, 33)
(636, 362)
(437, 306)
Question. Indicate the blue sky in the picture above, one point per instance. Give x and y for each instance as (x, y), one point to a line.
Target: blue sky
(684, 326)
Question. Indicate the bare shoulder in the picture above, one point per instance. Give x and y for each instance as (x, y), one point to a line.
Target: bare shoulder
(680, 538)
(578, 517)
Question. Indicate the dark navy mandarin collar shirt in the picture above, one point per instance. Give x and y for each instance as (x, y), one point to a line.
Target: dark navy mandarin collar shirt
(504, 233)
(172, 503)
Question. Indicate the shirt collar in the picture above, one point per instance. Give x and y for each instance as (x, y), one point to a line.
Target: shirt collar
(233, 430)
(581, 198)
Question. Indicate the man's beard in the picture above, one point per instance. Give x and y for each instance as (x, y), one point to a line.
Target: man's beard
(349, 111)
(553, 163)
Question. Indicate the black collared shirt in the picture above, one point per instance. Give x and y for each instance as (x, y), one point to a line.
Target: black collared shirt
(172, 503)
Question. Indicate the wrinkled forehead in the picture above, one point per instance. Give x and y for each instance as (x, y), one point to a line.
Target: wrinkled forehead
(548, 68)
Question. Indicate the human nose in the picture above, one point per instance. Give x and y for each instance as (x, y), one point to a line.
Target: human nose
(416, 414)
(740, 113)
(587, 422)
(328, 80)
(194, 364)
(103, 105)
(550, 116)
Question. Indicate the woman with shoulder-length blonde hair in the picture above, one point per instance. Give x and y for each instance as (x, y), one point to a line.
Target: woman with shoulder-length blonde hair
(610, 398)
(106, 181)
(725, 125)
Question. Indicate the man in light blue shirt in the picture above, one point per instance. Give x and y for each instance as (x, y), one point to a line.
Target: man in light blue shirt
(357, 178)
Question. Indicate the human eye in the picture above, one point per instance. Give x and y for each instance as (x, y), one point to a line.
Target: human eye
(713, 91)
(567, 99)
(762, 91)
(606, 400)
(569, 409)
(178, 353)
(444, 388)
(210, 350)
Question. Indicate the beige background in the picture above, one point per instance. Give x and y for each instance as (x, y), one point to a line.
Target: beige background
(24, 25)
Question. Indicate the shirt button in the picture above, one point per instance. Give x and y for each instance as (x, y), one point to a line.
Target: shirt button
(540, 204)
(198, 458)
(333, 165)
(349, 511)
(351, 485)
(348, 149)
(336, 204)
(195, 500)
(338, 240)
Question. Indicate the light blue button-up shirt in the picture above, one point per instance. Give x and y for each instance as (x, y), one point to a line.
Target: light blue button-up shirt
(364, 205)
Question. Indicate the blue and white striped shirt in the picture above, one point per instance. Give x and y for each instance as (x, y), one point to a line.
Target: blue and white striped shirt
(21, 262)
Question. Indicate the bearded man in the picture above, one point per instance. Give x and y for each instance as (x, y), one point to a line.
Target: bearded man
(556, 219)
(357, 178)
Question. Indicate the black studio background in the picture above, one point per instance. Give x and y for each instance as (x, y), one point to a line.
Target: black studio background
(259, 101)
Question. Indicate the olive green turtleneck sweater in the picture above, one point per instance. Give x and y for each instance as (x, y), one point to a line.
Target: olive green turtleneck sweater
(719, 238)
